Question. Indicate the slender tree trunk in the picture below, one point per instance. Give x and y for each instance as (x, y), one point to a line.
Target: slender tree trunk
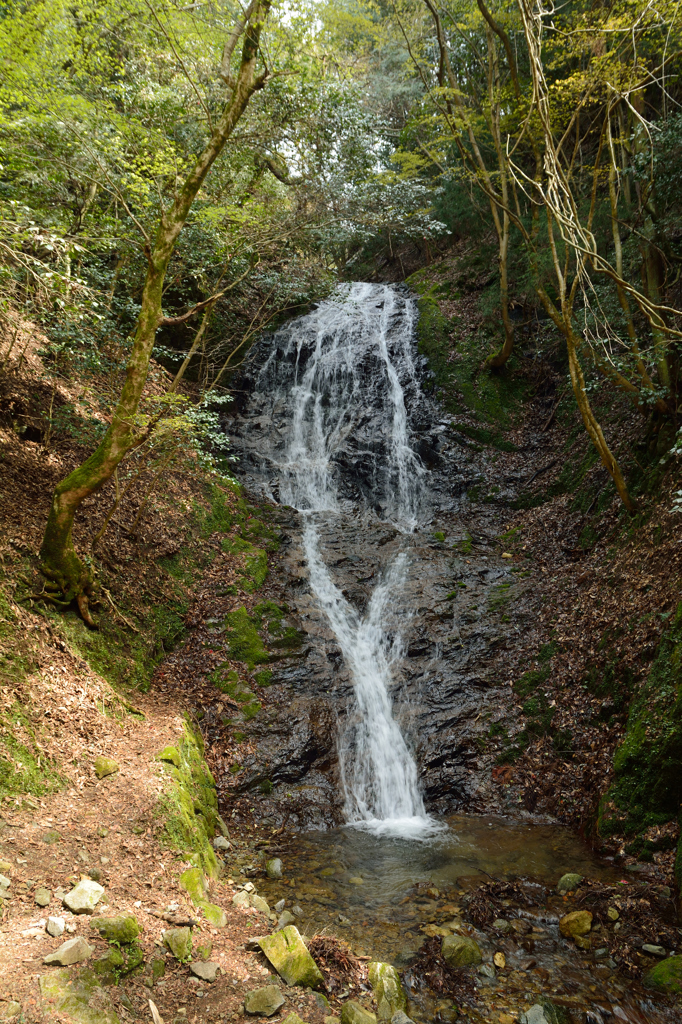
(60, 562)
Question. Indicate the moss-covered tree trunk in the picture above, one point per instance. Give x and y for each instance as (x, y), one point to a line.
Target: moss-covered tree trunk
(66, 573)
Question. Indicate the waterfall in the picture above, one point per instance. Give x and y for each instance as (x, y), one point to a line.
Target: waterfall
(340, 377)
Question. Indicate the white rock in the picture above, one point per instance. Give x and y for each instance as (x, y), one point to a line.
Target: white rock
(70, 952)
(84, 897)
(55, 926)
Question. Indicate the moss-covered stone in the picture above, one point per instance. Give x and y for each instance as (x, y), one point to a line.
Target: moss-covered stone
(105, 766)
(203, 948)
(78, 996)
(194, 883)
(388, 992)
(190, 804)
(666, 976)
(215, 916)
(171, 755)
(460, 951)
(576, 924)
(288, 954)
(354, 1013)
(179, 942)
(122, 929)
(569, 881)
(108, 968)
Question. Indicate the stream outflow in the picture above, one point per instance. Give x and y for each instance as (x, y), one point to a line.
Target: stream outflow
(352, 357)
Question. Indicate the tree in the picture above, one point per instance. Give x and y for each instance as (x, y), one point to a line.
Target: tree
(65, 570)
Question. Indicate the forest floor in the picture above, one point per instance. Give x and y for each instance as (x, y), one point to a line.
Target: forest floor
(69, 696)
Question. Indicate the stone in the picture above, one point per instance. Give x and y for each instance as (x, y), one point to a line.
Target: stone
(321, 1001)
(500, 925)
(171, 755)
(259, 903)
(55, 926)
(279, 906)
(207, 971)
(221, 843)
(356, 881)
(575, 924)
(6, 867)
(105, 766)
(42, 897)
(354, 1013)
(569, 881)
(122, 929)
(273, 868)
(536, 1015)
(215, 916)
(10, 1010)
(654, 950)
(263, 1002)
(109, 967)
(95, 874)
(70, 952)
(84, 897)
(179, 942)
(241, 899)
(460, 951)
(285, 918)
(297, 911)
(555, 1014)
(5, 882)
(401, 1018)
(388, 992)
(520, 926)
(486, 971)
(202, 948)
(193, 882)
(666, 976)
(293, 1018)
(80, 997)
(288, 954)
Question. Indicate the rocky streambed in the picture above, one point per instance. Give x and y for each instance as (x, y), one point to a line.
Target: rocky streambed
(389, 610)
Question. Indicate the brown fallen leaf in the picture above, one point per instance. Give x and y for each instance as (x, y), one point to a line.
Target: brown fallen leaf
(499, 960)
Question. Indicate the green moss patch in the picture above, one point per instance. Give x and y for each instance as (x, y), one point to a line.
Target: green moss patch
(648, 764)
(189, 807)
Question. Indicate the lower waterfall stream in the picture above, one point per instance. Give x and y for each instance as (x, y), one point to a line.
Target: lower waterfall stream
(336, 429)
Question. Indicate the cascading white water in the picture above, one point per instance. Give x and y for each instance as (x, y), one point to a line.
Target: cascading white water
(350, 357)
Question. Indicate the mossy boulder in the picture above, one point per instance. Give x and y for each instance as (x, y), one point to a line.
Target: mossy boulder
(109, 967)
(189, 806)
(179, 942)
(193, 882)
(171, 755)
(666, 976)
(388, 991)
(569, 881)
(105, 766)
(576, 924)
(289, 955)
(354, 1013)
(460, 951)
(80, 997)
(122, 929)
(263, 1002)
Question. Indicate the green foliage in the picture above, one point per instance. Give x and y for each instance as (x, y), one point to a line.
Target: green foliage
(243, 640)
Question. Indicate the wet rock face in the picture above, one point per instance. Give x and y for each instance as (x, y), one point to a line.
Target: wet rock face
(440, 631)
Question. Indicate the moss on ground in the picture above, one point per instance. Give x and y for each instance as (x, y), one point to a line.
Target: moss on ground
(455, 358)
(189, 806)
(648, 764)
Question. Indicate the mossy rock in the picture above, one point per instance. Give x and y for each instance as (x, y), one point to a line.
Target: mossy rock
(460, 951)
(179, 942)
(189, 806)
(122, 929)
(171, 755)
(388, 991)
(215, 916)
(105, 766)
(666, 976)
(289, 955)
(354, 1013)
(108, 968)
(79, 996)
(194, 883)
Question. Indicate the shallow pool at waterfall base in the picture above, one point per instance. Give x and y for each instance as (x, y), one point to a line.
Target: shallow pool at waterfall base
(379, 883)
